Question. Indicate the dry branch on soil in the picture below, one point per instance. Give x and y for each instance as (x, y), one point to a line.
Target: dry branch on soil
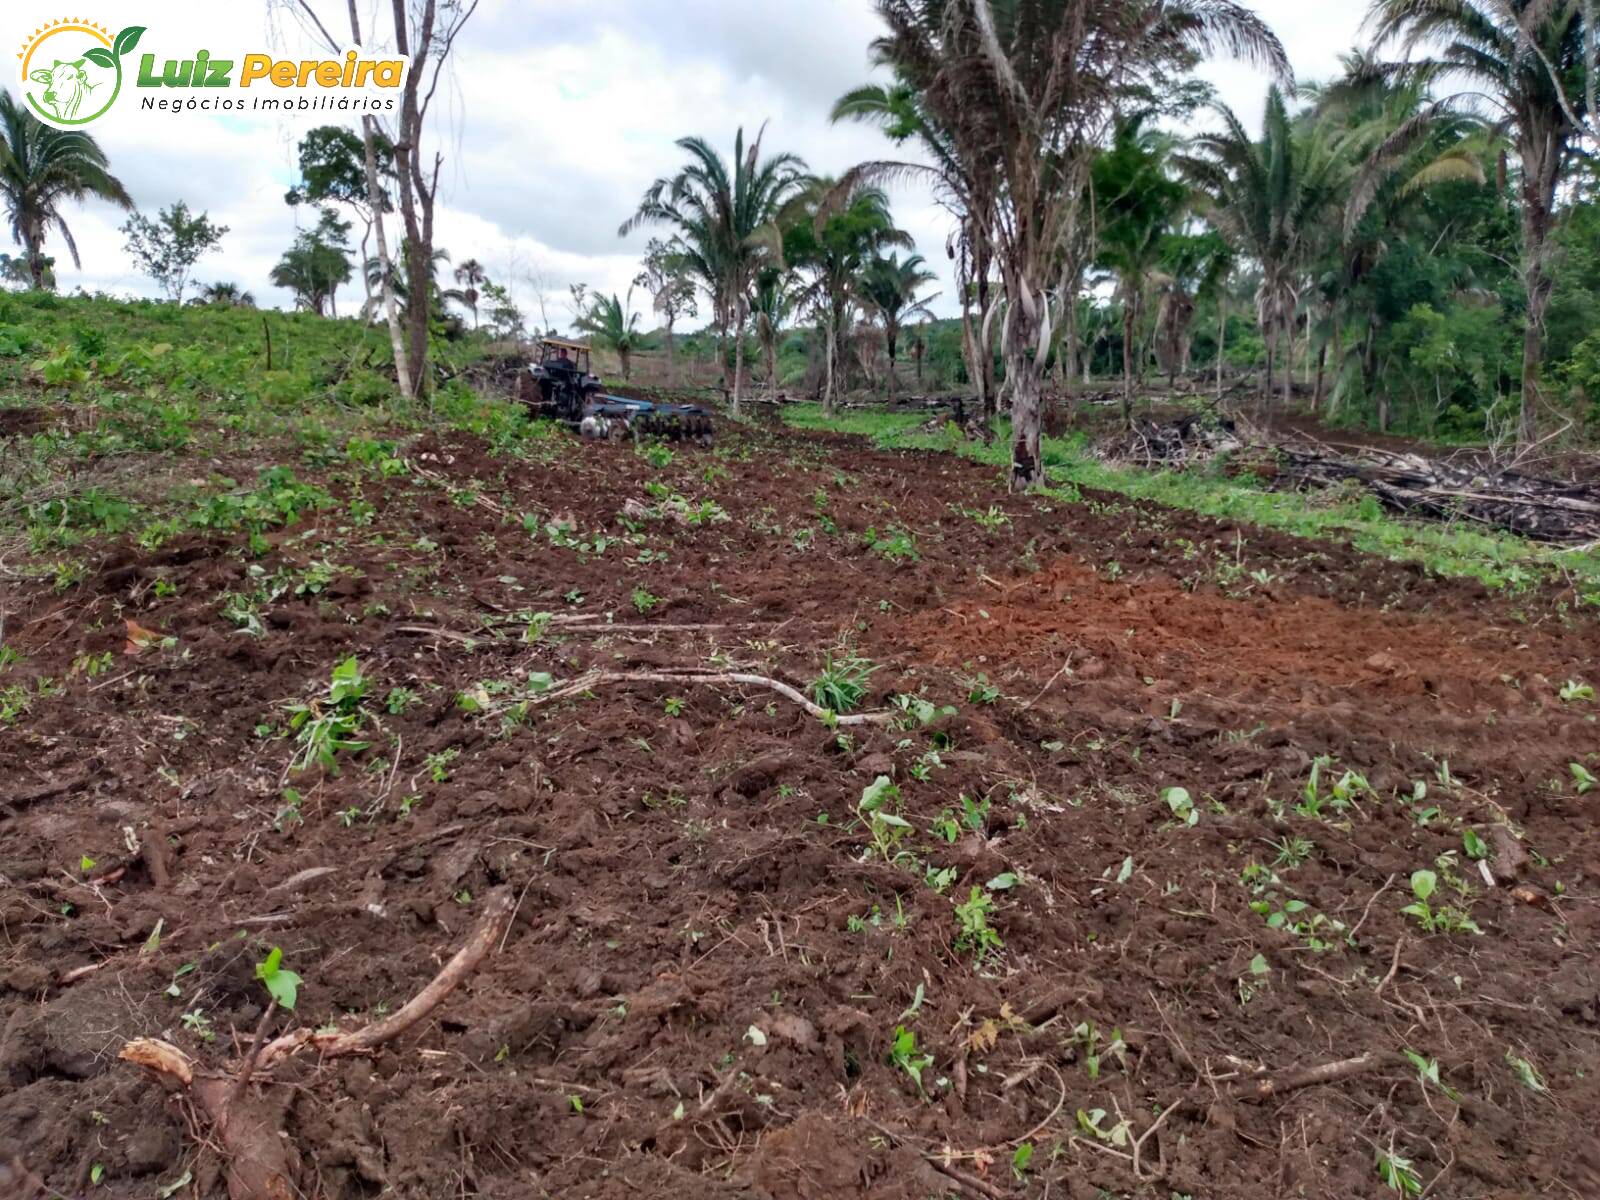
(259, 1161)
(594, 679)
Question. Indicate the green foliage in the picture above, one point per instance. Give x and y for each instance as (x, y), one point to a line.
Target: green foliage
(1445, 919)
(886, 827)
(282, 984)
(167, 248)
(329, 724)
(842, 684)
(903, 1053)
(975, 936)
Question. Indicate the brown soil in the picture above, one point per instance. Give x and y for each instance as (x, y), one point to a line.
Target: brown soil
(700, 991)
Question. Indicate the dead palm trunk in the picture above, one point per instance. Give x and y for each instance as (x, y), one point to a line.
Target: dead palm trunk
(738, 357)
(1129, 319)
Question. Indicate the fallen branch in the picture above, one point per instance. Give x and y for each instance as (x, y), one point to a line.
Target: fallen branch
(261, 1163)
(593, 679)
(1276, 1084)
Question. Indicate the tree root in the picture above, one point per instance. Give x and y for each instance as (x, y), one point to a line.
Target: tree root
(261, 1163)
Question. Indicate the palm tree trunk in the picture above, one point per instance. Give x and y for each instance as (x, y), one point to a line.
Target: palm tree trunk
(738, 359)
(1128, 319)
(771, 348)
(1537, 281)
(672, 365)
(891, 336)
(1024, 378)
(1222, 336)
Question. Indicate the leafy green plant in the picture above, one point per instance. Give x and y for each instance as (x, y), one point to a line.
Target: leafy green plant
(903, 1053)
(975, 935)
(1398, 1174)
(1573, 691)
(643, 600)
(842, 685)
(1178, 800)
(1582, 780)
(1089, 1041)
(894, 544)
(282, 984)
(1445, 919)
(886, 827)
(1526, 1073)
(1428, 1072)
(329, 724)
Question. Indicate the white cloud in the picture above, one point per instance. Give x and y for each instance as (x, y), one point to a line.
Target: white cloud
(557, 116)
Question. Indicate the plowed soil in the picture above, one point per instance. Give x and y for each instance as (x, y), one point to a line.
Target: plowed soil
(701, 990)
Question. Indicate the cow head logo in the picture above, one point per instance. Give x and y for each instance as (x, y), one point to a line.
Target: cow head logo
(71, 70)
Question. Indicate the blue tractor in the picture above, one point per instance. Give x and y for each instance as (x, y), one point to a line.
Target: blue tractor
(559, 386)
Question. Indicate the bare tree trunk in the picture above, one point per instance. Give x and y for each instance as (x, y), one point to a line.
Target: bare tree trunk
(375, 200)
(891, 337)
(772, 366)
(672, 364)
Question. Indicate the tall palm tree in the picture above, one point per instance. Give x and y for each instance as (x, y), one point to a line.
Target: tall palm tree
(968, 188)
(727, 221)
(1025, 90)
(772, 302)
(889, 287)
(43, 168)
(1270, 198)
(835, 233)
(1137, 203)
(471, 276)
(1509, 53)
(612, 324)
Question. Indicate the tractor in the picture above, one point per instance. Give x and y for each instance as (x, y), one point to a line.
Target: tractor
(559, 386)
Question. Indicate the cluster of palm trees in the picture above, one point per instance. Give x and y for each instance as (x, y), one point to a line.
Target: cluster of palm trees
(1020, 110)
(765, 241)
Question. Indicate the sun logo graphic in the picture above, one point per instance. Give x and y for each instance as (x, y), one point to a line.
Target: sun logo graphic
(71, 70)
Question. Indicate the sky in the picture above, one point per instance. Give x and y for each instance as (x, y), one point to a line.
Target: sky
(555, 118)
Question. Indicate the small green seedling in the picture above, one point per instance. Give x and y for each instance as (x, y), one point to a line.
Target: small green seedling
(842, 685)
(1428, 1072)
(282, 984)
(1398, 1174)
(1582, 780)
(1573, 691)
(1444, 919)
(1182, 806)
(977, 937)
(903, 1054)
(1526, 1073)
(887, 828)
(1476, 848)
(1020, 1158)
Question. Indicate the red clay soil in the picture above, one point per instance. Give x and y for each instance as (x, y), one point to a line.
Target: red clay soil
(700, 992)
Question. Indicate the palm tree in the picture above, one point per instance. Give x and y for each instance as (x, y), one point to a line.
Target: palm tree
(614, 325)
(471, 276)
(227, 295)
(1270, 198)
(726, 221)
(1404, 143)
(967, 189)
(41, 169)
(1136, 205)
(889, 287)
(1023, 91)
(836, 231)
(400, 286)
(772, 302)
(1510, 54)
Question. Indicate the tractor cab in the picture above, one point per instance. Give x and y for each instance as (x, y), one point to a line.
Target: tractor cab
(560, 380)
(557, 355)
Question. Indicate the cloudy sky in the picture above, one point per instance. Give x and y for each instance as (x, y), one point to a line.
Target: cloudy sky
(559, 113)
